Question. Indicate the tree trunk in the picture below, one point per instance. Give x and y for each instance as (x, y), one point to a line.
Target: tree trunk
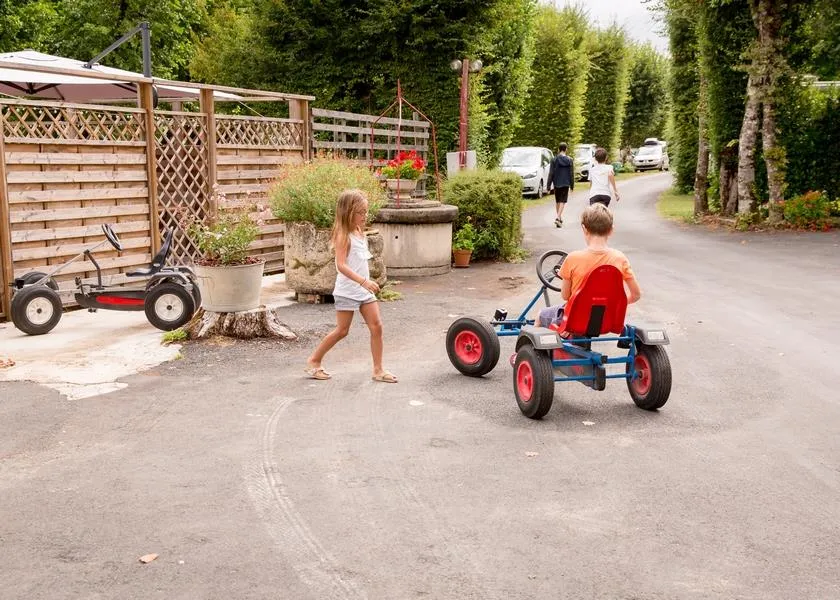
(701, 175)
(260, 322)
(728, 188)
(774, 155)
(746, 147)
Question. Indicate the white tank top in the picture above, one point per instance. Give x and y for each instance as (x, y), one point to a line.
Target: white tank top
(357, 260)
(599, 175)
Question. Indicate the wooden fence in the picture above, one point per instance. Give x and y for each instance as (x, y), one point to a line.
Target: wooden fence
(67, 168)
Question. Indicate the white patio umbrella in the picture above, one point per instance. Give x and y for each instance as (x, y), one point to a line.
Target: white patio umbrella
(68, 87)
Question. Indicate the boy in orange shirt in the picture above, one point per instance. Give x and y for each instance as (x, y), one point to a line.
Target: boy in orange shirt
(597, 225)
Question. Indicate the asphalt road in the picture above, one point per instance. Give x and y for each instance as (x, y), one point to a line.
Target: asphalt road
(250, 481)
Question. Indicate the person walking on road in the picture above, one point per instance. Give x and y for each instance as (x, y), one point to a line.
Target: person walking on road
(561, 175)
(354, 290)
(602, 177)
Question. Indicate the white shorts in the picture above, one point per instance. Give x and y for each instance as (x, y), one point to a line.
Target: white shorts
(342, 303)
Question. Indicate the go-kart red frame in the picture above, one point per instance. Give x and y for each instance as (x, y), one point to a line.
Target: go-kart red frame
(563, 351)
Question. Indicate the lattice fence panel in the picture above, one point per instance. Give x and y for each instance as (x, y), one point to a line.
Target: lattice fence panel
(183, 195)
(72, 124)
(249, 132)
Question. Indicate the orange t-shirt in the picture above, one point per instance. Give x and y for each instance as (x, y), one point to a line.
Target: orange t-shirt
(582, 262)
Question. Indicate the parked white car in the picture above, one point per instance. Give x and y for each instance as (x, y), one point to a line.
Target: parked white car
(652, 155)
(584, 160)
(532, 164)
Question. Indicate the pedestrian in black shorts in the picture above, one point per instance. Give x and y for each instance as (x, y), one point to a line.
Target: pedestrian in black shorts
(602, 178)
(561, 175)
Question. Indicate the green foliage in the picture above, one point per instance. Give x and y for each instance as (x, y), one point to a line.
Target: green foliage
(606, 91)
(821, 32)
(553, 110)
(224, 239)
(684, 86)
(308, 193)
(811, 210)
(464, 237)
(174, 336)
(647, 97)
(89, 26)
(231, 52)
(28, 24)
(491, 201)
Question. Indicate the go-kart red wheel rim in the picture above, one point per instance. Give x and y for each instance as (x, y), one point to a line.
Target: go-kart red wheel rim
(468, 347)
(643, 379)
(525, 381)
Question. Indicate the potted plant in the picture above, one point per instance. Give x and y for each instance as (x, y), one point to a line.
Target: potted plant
(304, 198)
(229, 279)
(402, 172)
(463, 244)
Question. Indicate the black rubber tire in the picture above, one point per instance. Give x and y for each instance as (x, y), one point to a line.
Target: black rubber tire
(540, 190)
(178, 320)
(538, 364)
(659, 390)
(22, 300)
(35, 276)
(489, 346)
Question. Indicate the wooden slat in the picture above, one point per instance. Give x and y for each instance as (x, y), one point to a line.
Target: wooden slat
(66, 233)
(337, 114)
(276, 148)
(367, 131)
(241, 188)
(270, 256)
(278, 228)
(133, 260)
(72, 141)
(249, 174)
(73, 158)
(364, 146)
(260, 119)
(74, 176)
(88, 212)
(277, 159)
(78, 195)
(74, 249)
(57, 104)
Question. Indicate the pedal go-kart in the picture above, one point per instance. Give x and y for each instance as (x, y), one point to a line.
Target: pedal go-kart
(169, 295)
(564, 351)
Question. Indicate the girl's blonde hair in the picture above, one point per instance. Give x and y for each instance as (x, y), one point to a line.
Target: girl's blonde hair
(349, 202)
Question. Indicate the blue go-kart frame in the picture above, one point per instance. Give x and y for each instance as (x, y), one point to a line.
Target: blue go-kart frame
(545, 355)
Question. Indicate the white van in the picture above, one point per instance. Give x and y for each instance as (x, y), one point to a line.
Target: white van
(532, 164)
(584, 160)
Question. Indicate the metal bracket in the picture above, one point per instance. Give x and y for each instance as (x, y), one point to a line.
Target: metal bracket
(146, 32)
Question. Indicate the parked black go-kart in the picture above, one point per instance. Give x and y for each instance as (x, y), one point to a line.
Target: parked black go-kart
(169, 295)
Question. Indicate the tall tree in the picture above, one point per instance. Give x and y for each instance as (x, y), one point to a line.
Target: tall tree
(606, 90)
(701, 176)
(647, 97)
(27, 24)
(681, 20)
(553, 111)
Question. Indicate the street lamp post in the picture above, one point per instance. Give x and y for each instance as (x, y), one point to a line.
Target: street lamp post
(466, 66)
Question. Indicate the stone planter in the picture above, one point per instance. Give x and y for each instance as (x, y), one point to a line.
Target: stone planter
(310, 262)
(418, 238)
(400, 190)
(230, 288)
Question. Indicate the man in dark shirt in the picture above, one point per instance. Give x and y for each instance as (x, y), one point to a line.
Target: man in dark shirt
(561, 175)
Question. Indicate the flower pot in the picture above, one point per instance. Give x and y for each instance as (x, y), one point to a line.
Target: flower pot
(401, 189)
(230, 288)
(462, 258)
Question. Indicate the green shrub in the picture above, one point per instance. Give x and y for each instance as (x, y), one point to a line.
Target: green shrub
(811, 210)
(464, 238)
(309, 192)
(224, 238)
(491, 201)
(835, 208)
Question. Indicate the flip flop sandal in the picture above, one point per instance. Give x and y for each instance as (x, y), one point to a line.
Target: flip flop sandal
(385, 377)
(317, 373)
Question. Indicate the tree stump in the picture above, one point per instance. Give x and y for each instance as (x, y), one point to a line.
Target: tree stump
(259, 322)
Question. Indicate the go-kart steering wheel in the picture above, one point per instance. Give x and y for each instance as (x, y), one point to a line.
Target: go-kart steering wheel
(547, 274)
(112, 236)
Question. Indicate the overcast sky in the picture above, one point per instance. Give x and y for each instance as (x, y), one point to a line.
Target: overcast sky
(633, 15)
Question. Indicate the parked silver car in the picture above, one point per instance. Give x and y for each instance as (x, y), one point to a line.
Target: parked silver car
(584, 160)
(532, 164)
(652, 155)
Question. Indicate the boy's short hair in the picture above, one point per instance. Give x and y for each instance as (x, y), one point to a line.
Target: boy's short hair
(598, 219)
(562, 147)
(600, 155)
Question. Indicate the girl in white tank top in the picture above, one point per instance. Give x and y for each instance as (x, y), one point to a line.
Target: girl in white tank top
(353, 287)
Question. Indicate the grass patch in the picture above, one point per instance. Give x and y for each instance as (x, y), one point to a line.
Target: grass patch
(387, 293)
(673, 205)
(174, 336)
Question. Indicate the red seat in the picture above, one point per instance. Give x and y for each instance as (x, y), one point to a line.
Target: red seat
(598, 306)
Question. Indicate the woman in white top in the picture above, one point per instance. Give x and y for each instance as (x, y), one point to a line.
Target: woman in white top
(353, 287)
(602, 177)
